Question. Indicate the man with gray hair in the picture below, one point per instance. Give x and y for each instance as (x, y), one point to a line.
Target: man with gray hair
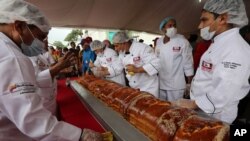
(222, 77)
(140, 63)
(23, 28)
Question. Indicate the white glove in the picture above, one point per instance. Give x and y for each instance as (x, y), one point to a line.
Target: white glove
(90, 135)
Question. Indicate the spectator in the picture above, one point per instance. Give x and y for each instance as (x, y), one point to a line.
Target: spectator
(65, 50)
(78, 48)
(73, 45)
(58, 53)
(52, 51)
(87, 54)
(107, 43)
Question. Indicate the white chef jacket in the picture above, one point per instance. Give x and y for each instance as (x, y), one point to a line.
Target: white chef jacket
(114, 65)
(142, 55)
(21, 111)
(48, 90)
(42, 61)
(222, 77)
(176, 61)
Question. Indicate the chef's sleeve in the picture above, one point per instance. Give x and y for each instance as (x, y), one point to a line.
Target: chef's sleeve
(116, 67)
(229, 84)
(22, 106)
(150, 61)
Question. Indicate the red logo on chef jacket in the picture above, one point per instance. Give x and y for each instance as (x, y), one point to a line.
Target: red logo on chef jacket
(136, 59)
(176, 49)
(109, 59)
(205, 66)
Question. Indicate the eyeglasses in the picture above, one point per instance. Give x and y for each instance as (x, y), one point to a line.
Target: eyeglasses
(38, 33)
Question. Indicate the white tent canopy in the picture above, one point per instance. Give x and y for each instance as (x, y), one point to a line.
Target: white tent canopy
(138, 15)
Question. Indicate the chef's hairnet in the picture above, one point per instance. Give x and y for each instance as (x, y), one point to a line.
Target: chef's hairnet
(96, 44)
(120, 37)
(166, 20)
(234, 8)
(20, 10)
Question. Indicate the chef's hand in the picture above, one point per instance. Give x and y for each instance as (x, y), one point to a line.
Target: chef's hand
(100, 74)
(86, 73)
(102, 68)
(100, 71)
(104, 71)
(91, 64)
(67, 60)
(64, 62)
(90, 135)
(185, 103)
(133, 69)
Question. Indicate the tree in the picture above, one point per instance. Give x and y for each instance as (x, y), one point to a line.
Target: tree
(73, 35)
(59, 44)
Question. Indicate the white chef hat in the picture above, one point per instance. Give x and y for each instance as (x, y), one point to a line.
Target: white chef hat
(96, 44)
(20, 10)
(120, 37)
(234, 8)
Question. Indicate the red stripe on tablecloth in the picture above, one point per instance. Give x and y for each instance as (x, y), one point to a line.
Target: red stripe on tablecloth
(71, 109)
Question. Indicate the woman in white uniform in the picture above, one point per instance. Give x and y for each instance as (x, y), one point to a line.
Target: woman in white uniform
(140, 63)
(222, 77)
(22, 115)
(175, 54)
(107, 63)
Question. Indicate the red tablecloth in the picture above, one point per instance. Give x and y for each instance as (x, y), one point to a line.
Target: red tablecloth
(71, 109)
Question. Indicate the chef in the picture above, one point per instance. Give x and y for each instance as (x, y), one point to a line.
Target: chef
(47, 92)
(45, 70)
(175, 54)
(222, 77)
(107, 63)
(140, 63)
(22, 115)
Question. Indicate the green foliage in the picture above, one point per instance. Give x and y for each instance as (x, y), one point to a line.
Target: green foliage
(59, 44)
(73, 35)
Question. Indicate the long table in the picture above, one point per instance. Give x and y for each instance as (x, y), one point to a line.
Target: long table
(107, 117)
